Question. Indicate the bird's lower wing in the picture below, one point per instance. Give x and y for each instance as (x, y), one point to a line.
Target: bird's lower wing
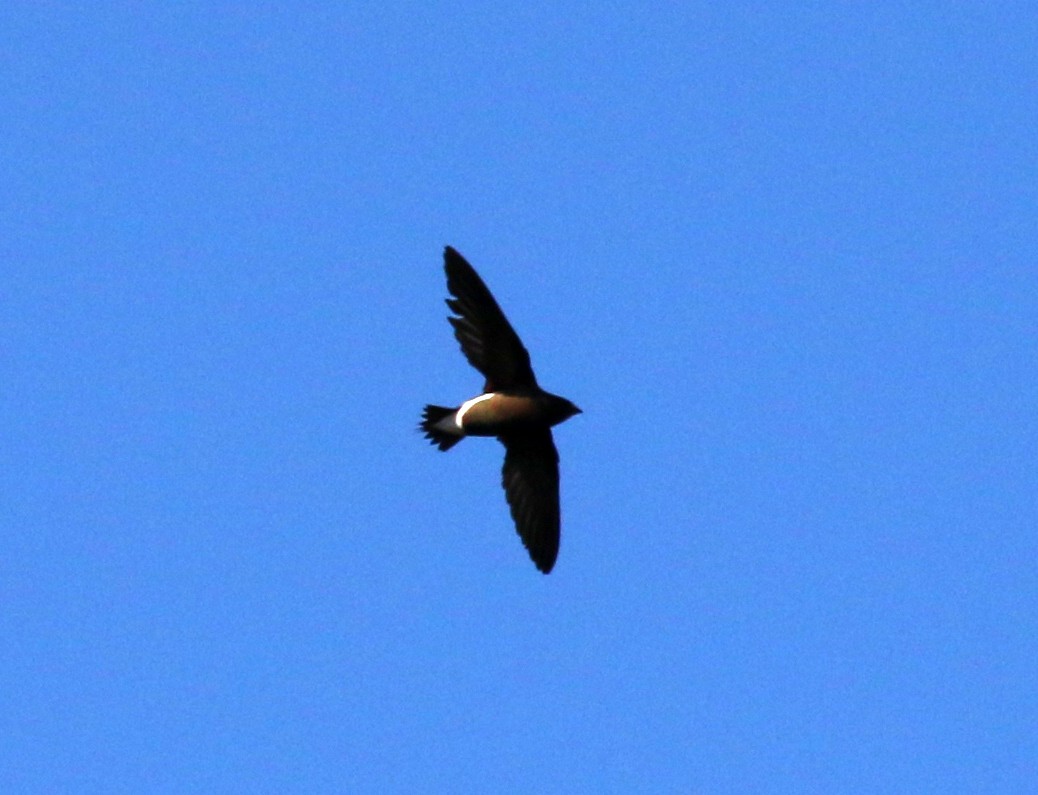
(531, 480)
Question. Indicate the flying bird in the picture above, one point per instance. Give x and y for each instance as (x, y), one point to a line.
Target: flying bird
(512, 407)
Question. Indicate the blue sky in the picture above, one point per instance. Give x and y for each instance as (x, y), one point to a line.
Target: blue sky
(782, 255)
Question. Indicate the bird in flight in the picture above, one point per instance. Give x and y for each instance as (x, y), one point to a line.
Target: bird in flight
(512, 407)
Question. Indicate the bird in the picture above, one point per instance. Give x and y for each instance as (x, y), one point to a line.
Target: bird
(511, 407)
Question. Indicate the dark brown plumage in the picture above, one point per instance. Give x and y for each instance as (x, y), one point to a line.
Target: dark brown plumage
(513, 408)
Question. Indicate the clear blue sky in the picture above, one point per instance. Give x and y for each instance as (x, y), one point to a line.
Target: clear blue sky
(785, 257)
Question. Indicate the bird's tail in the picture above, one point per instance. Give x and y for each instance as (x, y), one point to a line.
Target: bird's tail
(438, 425)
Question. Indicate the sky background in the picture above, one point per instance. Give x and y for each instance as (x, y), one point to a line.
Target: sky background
(784, 256)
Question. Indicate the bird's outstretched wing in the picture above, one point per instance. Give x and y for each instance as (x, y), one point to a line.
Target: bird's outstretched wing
(487, 338)
(531, 480)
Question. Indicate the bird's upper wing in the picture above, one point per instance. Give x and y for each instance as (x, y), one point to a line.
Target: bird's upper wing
(531, 480)
(487, 338)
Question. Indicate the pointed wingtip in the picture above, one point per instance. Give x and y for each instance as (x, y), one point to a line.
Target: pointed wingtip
(452, 261)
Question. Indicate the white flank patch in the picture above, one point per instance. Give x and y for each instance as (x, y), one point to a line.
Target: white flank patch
(469, 404)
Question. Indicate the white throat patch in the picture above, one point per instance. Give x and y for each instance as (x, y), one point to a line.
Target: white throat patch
(469, 404)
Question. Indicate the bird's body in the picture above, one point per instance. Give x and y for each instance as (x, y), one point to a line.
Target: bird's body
(498, 413)
(512, 408)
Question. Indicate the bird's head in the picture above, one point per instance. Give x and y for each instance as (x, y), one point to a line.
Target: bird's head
(560, 409)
